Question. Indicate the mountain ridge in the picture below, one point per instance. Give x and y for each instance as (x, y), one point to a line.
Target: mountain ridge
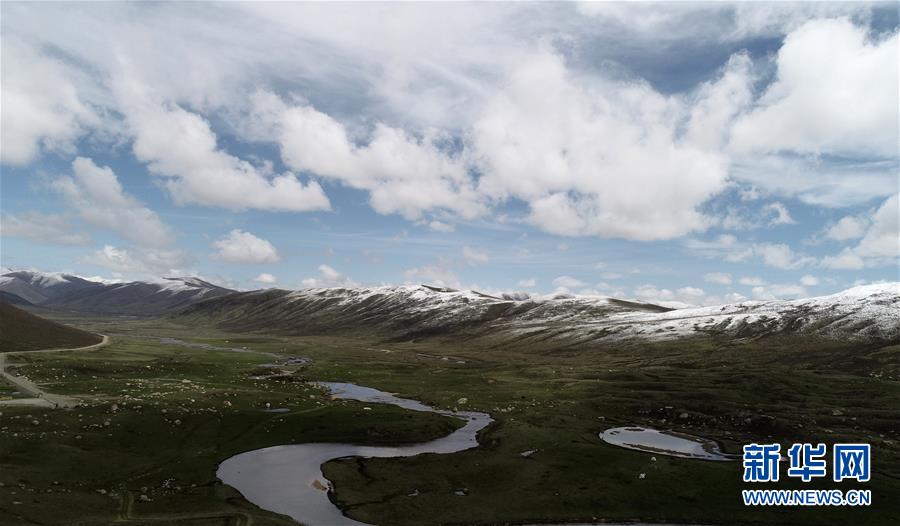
(68, 292)
(866, 313)
(406, 312)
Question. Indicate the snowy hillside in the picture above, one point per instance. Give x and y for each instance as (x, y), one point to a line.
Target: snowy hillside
(62, 291)
(862, 313)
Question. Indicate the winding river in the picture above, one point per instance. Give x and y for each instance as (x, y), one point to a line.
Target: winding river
(288, 479)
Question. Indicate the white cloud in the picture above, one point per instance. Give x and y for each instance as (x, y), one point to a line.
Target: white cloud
(243, 247)
(727, 247)
(751, 281)
(409, 111)
(718, 103)
(650, 293)
(180, 146)
(591, 157)
(779, 255)
(41, 108)
(778, 292)
(606, 289)
(329, 277)
(568, 282)
(98, 197)
(437, 275)
(816, 182)
(848, 227)
(845, 260)
(734, 297)
(43, 228)
(722, 278)
(682, 297)
(440, 226)
(692, 293)
(716, 21)
(528, 283)
(266, 278)
(778, 214)
(475, 256)
(879, 246)
(750, 194)
(403, 174)
(137, 260)
(771, 214)
(809, 281)
(835, 91)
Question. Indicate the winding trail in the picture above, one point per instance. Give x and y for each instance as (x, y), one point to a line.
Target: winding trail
(41, 398)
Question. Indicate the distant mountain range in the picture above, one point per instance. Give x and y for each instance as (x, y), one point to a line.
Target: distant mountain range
(66, 292)
(866, 313)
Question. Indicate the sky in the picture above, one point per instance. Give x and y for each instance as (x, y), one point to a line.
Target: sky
(678, 153)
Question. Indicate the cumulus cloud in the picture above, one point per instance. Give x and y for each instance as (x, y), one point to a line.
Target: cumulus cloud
(659, 296)
(429, 125)
(722, 278)
(823, 98)
(763, 290)
(568, 282)
(528, 283)
(771, 214)
(41, 108)
(265, 278)
(181, 147)
(878, 246)
(717, 103)
(475, 256)
(328, 277)
(440, 226)
(816, 182)
(724, 246)
(243, 247)
(729, 248)
(848, 227)
(438, 275)
(404, 174)
(98, 198)
(809, 281)
(44, 228)
(778, 292)
(780, 255)
(593, 158)
(153, 262)
(718, 21)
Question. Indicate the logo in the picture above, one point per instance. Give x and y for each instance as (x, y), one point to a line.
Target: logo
(807, 462)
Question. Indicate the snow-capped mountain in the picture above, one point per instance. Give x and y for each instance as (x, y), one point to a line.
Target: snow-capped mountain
(56, 290)
(867, 313)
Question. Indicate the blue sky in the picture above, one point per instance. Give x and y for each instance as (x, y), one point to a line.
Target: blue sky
(677, 153)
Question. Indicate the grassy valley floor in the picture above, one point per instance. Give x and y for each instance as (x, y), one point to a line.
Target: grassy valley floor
(158, 418)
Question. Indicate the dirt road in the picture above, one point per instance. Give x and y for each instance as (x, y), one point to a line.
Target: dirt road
(40, 397)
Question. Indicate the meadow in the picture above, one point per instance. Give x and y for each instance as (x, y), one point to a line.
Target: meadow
(158, 418)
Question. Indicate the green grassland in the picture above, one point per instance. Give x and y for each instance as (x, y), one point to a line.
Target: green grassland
(159, 418)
